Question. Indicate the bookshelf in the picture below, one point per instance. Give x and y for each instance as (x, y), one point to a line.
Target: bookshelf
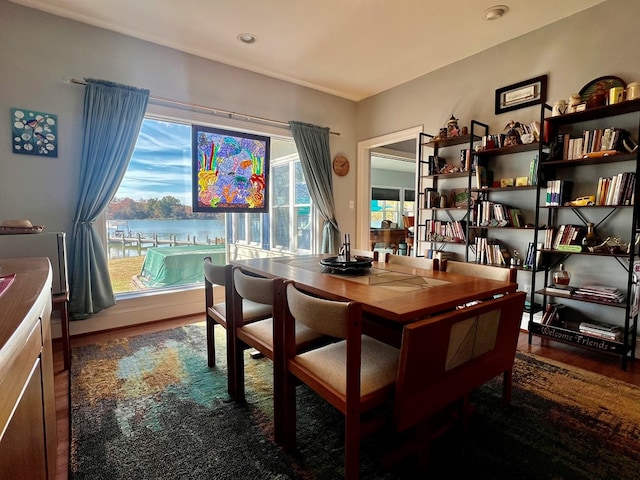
(592, 158)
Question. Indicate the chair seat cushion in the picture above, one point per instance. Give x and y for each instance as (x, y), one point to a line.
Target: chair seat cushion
(379, 365)
(263, 331)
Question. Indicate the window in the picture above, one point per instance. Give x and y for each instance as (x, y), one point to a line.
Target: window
(391, 204)
(152, 211)
(292, 221)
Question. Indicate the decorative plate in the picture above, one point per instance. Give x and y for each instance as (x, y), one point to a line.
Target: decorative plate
(20, 230)
(357, 264)
(607, 81)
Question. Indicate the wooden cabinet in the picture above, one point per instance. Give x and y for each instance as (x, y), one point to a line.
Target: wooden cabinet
(27, 403)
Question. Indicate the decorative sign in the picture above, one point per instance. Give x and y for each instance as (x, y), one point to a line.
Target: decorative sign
(229, 171)
(572, 336)
(34, 133)
(522, 94)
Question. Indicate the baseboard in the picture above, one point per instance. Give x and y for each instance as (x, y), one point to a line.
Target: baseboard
(137, 310)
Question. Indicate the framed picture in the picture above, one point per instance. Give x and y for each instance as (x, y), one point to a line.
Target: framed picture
(229, 171)
(34, 133)
(522, 94)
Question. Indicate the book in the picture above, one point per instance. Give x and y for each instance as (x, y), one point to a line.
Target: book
(550, 290)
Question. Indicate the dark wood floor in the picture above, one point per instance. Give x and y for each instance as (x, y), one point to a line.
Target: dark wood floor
(602, 364)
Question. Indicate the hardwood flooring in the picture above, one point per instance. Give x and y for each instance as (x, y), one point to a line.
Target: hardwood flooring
(577, 357)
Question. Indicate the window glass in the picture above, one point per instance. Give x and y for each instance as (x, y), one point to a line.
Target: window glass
(151, 212)
(386, 205)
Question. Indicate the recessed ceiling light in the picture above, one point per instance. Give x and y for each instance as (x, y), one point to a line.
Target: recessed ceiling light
(495, 12)
(247, 38)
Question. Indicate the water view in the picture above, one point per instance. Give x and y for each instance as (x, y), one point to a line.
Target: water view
(167, 232)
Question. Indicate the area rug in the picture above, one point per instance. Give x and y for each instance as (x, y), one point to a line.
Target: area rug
(148, 407)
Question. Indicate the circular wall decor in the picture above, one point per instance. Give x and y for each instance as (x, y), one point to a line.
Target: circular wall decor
(341, 165)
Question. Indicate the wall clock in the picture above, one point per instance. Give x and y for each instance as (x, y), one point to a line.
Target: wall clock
(340, 165)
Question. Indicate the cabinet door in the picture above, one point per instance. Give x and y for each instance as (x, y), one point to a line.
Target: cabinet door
(22, 448)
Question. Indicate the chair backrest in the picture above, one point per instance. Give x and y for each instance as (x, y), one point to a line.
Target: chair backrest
(489, 272)
(443, 358)
(251, 287)
(418, 262)
(365, 253)
(409, 221)
(328, 317)
(213, 274)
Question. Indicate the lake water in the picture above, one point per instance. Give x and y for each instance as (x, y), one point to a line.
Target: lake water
(180, 230)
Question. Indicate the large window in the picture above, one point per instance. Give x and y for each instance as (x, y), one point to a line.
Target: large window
(151, 213)
(390, 203)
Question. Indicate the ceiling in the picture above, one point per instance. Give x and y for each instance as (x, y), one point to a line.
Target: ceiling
(350, 48)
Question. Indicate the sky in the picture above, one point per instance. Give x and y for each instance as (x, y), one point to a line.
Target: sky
(161, 163)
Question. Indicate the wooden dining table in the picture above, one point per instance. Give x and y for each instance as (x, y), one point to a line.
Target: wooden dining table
(391, 294)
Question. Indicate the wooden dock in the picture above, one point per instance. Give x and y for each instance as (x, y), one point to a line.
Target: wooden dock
(139, 241)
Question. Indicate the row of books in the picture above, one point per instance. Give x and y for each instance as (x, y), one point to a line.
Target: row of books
(593, 141)
(565, 234)
(616, 190)
(489, 251)
(558, 192)
(441, 231)
(493, 214)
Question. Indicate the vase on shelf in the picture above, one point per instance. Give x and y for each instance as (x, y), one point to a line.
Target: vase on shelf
(590, 240)
(561, 277)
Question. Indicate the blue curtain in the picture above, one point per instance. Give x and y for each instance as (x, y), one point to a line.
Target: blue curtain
(112, 119)
(312, 143)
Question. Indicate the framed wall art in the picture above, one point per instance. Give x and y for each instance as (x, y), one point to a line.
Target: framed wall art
(34, 133)
(521, 94)
(229, 171)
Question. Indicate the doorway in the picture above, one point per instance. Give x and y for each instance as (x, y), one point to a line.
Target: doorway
(363, 188)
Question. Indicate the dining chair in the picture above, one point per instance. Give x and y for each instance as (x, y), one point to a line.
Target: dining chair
(215, 307)
(490, 272)
(445, 357)
(418, 262)
(259, 334)
(355, 374)
(217, 312)
(409, 223)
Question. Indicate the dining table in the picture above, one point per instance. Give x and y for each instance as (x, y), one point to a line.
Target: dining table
(392, 295)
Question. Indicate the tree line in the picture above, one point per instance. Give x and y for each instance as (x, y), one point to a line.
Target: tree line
(167, 207)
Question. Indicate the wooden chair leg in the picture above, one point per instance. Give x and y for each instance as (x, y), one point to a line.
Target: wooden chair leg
(352, 445)
(238, 371)
(211, 343)
(288, 411)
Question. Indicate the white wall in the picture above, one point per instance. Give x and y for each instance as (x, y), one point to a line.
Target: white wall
(602, 40)
(39, 51)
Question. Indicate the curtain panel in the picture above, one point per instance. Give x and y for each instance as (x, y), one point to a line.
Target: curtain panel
(312, 143)
(112, 118)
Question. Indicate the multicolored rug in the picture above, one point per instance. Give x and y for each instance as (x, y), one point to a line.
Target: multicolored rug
(148, 407)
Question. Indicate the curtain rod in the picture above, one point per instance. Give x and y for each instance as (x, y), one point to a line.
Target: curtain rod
(215, 111)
